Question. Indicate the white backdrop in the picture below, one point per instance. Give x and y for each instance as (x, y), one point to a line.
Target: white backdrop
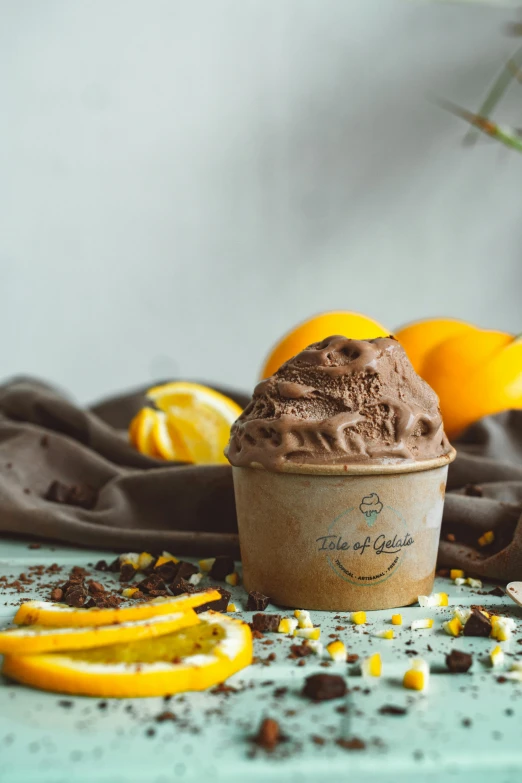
(182, 180)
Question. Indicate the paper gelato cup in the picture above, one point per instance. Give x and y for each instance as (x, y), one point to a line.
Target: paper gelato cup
(326, 537)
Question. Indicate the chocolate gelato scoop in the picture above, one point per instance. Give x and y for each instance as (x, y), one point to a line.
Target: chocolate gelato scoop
(340, 401)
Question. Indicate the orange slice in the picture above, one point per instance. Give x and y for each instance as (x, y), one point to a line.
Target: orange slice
(28, 640)
(141, 432)
(198, 422)
(191, 659)
(63, 616)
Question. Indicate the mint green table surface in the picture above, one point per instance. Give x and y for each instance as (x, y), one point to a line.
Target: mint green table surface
(466, 728)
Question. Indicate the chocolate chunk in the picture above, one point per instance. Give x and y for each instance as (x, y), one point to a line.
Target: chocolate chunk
(352, 658)
(101, 565)
(498, 591)
(114, 567)
(184, 570)
(458, 662)
(266, 623)
(127, 572)
(167, 570)
(180, 586)
(152, 582)
(223, 566)
(95, 587)
(91, 603)
(75, 595)
(392, 709)
(257, 602)
(57, 594)
(268, 735)
(351, 744)
(217, 606)
(323, 687)
(473, 491)
(82, 496)
(477, 624)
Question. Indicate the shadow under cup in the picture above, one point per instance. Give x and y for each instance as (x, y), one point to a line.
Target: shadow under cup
(341, 540)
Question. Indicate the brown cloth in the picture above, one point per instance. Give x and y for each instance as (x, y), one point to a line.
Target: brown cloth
(139, 503)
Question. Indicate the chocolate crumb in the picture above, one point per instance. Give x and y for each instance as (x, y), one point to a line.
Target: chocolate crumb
(473, 490)
(352, 658)
(300, 650)
(497, 591)
(127, 572)
(257, 602)
(35, 546)
(83, 496)
(458, 662)
(352, 744)
(101, 565)
(392, 709)
(450, 537)
(165, 716)
(268, 735)
(95, 587)
(57, 594)
(323, 687)
(66, 703)
(466, 722)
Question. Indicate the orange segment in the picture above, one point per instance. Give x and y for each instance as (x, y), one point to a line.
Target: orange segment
(29, 640)
(141, 432)
(421, 337)
(198, 421)
(354, 325)
(190, 659)
(61, 615)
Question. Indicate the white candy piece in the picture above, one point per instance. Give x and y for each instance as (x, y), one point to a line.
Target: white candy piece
(303, 618)
(435, 599)
(195, 579)
(459, 581)
(463, 615)
(130, 557)
(418, 625)
(316, 647)
(473, 582)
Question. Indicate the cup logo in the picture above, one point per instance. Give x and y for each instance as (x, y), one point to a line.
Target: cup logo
(371, 506)
(364, 557)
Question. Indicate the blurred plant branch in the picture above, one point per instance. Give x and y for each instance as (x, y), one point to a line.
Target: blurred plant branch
(481, 122)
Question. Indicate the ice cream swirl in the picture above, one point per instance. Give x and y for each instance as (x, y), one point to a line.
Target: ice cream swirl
(340, 401)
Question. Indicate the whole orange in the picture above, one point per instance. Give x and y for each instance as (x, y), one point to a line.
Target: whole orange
(354, 325)
(419, 338)
(476, 373)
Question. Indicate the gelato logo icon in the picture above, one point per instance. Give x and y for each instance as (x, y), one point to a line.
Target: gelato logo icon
(371, 507)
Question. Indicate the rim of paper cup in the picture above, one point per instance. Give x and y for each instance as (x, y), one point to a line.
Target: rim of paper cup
(362, 468)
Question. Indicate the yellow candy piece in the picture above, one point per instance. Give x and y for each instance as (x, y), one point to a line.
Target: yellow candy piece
(303, 618)
(396, 619)
(487, 538)
(457, 573)
(417, 678)
(453, 627)
(372, 666)
(358, 618)
(287, 625)
(308, 633)
(206, 565)
(336, 650)
(232, 579)
(388, 634)
(231, 608)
